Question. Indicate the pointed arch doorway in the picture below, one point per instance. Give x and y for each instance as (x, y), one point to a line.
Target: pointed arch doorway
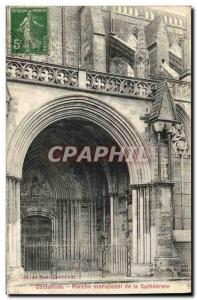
(75, 107)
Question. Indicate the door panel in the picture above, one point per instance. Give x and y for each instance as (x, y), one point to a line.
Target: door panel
(36, 239)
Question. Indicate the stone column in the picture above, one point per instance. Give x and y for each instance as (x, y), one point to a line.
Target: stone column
(166, 260)
(159, 154)
(13, 253)
(68, 227)
(113, 226)
(148, 225)
(169, 156)
(134, 222)
(72, 227)
(79, 221)
(129, 216)
(138, 227)
(141, 235)
(60, 221)
(95, 221)
(141, 222)
(64, 208)
(92, 228)
(111, 231)
(82, 79)
(104, 213)
(112, 220)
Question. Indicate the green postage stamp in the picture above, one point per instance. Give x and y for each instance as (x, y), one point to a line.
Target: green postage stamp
(29, 30)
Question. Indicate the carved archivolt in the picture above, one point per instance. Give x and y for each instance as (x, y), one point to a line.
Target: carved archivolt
(87, 108)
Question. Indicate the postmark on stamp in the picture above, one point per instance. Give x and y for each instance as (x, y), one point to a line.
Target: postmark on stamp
(29, 30)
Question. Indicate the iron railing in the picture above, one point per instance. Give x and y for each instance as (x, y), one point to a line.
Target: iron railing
(77, 260)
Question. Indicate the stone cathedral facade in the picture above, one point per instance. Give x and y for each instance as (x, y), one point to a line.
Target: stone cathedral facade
(113, 76)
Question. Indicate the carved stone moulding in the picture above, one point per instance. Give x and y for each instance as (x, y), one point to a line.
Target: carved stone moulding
(179, 141)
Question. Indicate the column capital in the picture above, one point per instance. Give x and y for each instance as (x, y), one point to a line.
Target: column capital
(169, 130)
(162, 183)
(140, 186)
(113, 194)
(158, 127)
(14, 178)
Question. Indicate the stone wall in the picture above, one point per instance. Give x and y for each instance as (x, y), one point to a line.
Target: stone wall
(70, 45)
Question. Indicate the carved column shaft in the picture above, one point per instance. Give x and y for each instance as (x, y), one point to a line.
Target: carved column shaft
(169, 156)
(148, 226)
(72, 227)
(112, 219)
(159, 154)
(134, 215)
(13, 223)
(130, 217)
(141, 224)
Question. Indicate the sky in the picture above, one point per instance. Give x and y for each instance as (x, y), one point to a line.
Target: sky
(178, 10)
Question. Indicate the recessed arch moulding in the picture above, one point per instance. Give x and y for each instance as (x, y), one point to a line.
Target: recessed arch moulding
(82, 107)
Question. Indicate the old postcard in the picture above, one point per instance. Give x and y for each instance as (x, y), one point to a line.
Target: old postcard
(98, 150)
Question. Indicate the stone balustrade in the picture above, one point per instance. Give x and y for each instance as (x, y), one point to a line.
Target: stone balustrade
(68, 77)
(24, 70)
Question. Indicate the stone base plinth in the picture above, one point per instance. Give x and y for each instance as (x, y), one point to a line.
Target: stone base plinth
(167, 267)
(141, 270)
(15, 273)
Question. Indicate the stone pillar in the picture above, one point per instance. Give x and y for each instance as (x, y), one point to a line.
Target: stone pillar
(99, 39)
(148, 225)
(79, 221)
(134, 222)
(72, 227)
(116, 210)
(95, 222)
(138, 227)
(82, 79)
(159, 154)
(129, 216)
(68, 223)
(60, 221)
(93, 39)
(65, 222)
(104, 213)
(92, 228)
(166, 260)
(141, 228)
(13, 254)
(113, 226)
(169, 156)
(112, 219)
(141, 223)
(112, 230)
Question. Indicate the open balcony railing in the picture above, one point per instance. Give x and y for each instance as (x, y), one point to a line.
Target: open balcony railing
(68, 77)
